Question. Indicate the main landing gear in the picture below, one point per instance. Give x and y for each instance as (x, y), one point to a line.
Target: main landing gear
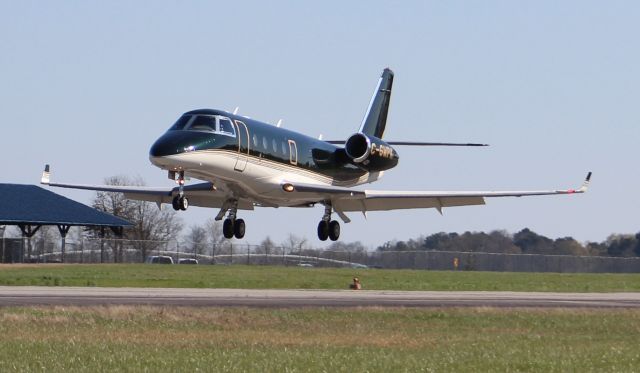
(328, 228)
(232, 227)
(180, 202)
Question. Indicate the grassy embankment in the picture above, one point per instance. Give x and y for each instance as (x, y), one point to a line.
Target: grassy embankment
(335, 340)
(265, 277)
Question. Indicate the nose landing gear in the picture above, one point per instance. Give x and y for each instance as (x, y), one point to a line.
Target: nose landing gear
(179, 202)
(328, 228)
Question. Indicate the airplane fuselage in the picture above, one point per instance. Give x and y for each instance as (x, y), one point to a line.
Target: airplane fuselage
(223, 148)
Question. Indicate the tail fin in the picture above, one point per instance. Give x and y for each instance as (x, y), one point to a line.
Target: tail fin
(375, 120)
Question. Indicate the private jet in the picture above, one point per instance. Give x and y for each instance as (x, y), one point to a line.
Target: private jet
(245, 164)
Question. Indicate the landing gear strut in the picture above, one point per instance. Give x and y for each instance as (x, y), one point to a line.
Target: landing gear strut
(328, 228)
(233, 227)
(180, 202)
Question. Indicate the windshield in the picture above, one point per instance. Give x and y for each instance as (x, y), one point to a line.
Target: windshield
(203, 123)
(180, 123)
(210, 123)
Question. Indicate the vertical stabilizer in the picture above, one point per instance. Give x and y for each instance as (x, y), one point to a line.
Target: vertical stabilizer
(375, 120)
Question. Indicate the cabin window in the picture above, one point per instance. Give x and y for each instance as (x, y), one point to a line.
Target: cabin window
(284, 148)
(181, 123)
(274, 144)
(226, 128)
(265, 143)
(203, 123)
(255, 141)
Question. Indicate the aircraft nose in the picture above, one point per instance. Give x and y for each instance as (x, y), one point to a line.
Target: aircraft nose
(162, 147)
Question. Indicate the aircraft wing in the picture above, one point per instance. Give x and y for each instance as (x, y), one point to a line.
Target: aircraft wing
(345, 199)
(201, 194)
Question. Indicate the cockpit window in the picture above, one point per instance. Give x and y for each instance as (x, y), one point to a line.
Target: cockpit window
(180, 123)
(203, 123)
(209, 123)
(226, 127)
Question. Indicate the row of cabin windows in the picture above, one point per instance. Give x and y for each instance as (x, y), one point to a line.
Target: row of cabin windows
(222, 125)
(265, 144)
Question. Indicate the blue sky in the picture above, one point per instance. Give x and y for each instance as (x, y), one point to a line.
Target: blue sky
(553, 86)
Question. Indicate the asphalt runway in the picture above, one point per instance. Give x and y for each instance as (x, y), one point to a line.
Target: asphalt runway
(91, 296)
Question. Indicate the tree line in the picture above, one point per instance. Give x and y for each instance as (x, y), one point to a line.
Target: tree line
(523, 242)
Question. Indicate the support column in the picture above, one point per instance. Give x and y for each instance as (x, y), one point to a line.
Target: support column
(2, 228)
(118, 231)
(101, 244)
(27, 232)
(64, 229)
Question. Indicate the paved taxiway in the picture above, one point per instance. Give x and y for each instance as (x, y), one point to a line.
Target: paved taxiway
(84, 296)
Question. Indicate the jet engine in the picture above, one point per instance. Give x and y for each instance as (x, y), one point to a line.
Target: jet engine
(370, 152)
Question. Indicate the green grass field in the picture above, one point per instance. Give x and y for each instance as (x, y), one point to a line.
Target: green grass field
(266, 277)
(142, 338)
(168, 339)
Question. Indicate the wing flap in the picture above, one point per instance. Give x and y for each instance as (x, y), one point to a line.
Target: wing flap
(403, 202)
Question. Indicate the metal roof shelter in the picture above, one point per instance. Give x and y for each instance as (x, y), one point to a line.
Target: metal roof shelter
(30, 207)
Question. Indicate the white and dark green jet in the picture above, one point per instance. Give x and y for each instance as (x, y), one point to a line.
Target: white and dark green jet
(245, 163)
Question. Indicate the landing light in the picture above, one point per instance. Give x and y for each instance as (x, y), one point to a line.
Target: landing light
(288, 187)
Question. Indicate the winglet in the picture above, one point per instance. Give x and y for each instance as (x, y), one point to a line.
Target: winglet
(46, 175)
(585, 184)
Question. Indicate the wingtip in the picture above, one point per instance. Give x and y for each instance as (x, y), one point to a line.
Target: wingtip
(585, 184)
(46, 175)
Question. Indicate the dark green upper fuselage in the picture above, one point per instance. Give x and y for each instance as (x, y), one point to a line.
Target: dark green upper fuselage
(265, 141)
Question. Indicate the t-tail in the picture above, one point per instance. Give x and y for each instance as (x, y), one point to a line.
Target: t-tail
(365, 148)
(375, 119)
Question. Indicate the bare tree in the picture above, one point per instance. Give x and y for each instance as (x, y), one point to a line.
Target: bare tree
(295, 245)
(150, 224)
(216, 239)
(46, 240)
(266, 248)
(197, 239)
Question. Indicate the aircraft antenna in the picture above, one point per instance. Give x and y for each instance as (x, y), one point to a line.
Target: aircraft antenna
(235, 111)
(279, 123)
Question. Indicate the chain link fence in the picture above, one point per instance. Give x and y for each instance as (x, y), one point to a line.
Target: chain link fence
(17, 250)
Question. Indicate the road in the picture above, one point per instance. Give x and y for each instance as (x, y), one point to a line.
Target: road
(87, 296)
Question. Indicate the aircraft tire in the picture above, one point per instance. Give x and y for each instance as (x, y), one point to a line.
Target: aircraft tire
(175, 203)
(323, 230)
(184, 203)
(227, 228)
(239, 228)
(334, 230)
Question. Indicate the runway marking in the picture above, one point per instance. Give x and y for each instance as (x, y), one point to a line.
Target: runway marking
(85, 296)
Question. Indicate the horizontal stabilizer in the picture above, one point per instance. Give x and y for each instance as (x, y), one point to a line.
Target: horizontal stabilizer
(415, 143)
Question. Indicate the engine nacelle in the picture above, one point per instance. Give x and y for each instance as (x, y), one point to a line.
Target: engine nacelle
(370, 152)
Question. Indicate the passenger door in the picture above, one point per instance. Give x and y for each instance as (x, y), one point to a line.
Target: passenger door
(243, 145)
(293, 152)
